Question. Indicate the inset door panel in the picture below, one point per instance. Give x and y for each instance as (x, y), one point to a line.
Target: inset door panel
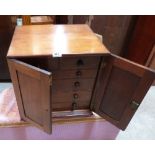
(32, 89)
(119, 92)
(120, 88)
(32, 105)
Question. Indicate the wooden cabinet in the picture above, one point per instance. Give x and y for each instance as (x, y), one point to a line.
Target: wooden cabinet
(65, 69)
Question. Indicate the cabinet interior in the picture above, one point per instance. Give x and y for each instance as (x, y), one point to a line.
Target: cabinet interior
(63, 84)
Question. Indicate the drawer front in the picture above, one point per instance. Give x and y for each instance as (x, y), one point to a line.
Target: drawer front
(71, 96)
(69, 105)
(70, 85)
(79, 62)
(72, 74)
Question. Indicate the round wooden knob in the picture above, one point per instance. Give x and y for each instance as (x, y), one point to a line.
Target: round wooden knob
(75, 96)
(80, 62)
(77, 84)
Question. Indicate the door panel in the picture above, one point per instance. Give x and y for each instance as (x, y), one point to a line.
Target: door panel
(116, 106)
(32, 89)
(120, 88)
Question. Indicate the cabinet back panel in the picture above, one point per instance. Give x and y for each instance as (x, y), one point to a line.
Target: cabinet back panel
(117, 97)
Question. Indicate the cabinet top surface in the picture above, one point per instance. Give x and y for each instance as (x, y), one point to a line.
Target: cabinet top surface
(45, 40)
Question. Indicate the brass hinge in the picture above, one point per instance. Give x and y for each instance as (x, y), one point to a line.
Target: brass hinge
(134, 105)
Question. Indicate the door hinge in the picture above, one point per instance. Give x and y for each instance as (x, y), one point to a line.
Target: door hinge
(134, 105)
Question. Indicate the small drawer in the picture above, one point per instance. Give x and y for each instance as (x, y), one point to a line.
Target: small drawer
(69, 85)
(61, 106)
(69, 96)
(79, 62)
(71, 74)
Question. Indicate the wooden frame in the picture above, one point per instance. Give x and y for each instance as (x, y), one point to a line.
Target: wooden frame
(21, 75)
(109, 95)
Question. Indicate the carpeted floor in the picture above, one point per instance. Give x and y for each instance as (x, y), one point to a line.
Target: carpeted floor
(8, 107)
(141, 126)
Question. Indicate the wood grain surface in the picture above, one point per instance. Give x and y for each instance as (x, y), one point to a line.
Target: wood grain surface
(45, 40)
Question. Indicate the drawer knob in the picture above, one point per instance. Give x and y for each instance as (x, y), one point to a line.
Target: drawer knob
(78, 73)
(77, 84)
(74, 105)
(80, 62)
(75, 96)
(134, 105)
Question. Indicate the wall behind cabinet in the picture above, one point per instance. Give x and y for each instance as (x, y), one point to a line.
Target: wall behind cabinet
(142, 40)
(6, 32)
(114, 29)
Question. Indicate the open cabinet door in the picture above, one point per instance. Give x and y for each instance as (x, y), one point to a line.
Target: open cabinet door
(32, 90)
(121, 87)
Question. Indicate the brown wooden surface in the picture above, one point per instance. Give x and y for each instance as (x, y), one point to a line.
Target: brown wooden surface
(32, 89)
(65, 87)
(74, 74)
(142, 40)
(37, 20)
(26, 19)
(119, 83)
(151, 60)
(68, 85)
(87, 62)
(60, 106)
(69, 96)
(44, 40)
(60, 120)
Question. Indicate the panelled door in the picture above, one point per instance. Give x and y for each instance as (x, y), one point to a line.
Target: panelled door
(32, 89)
(120, 88)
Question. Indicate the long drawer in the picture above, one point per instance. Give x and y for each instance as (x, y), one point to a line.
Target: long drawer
(71, 96)
(72, 74)
(69, 85)
(90, 62)
(69, 105)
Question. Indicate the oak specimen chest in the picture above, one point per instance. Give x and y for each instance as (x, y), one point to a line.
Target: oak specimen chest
(66, 70)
